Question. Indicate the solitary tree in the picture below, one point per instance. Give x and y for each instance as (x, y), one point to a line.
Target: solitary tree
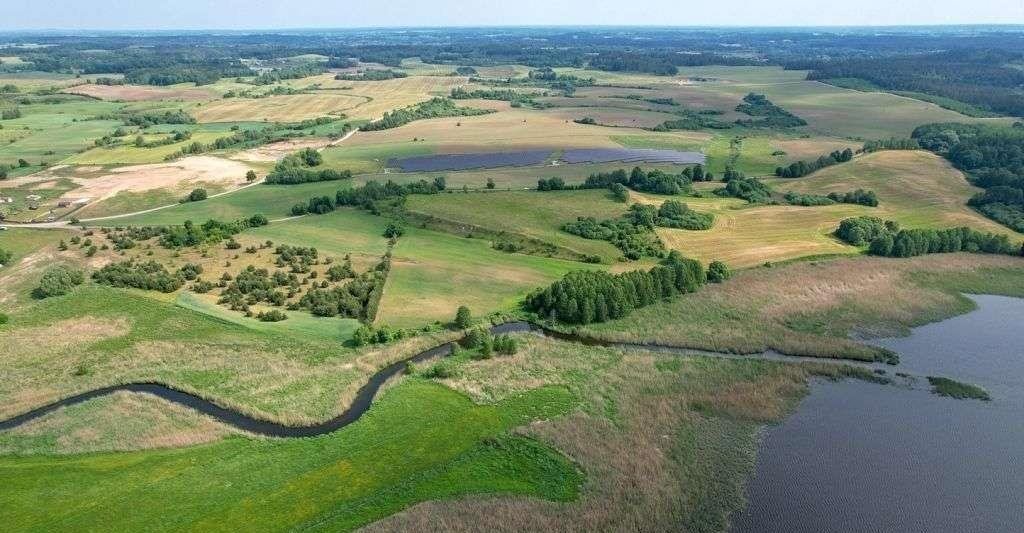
(250, 176)
(197, 195)
(490, 183)
(463, 317)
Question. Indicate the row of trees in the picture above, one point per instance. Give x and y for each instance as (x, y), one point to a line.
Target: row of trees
(885, 238)
(859, 196)
(436, 107)
(289, 73)
(372, 75)
(892, 143)
(367, 196)
(803, 168)
(584, 297)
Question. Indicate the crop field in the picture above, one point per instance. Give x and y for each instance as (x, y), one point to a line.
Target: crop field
(275, 201)
(915, 188)
(51, 132)
(533, 214)
(284, 108)
(433, 273)
(613, 116)
(744, 237)
(505, 130)
(828, 109)
(129, 154)
(29, 81)
(138, 93)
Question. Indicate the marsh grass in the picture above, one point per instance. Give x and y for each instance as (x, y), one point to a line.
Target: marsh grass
(956, 389)
(818, 308)
(666, 442)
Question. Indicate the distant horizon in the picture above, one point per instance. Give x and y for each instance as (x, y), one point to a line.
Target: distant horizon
(271, 29)
(276, 15)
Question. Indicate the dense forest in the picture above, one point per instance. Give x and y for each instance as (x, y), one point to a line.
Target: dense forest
(985, 78)
(975, 65)
(993, 158)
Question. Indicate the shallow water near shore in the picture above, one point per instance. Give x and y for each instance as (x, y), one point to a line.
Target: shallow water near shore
(858, 456)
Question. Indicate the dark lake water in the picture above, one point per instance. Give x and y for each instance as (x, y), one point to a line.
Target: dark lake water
(522, 158)
(439, 162)
(858, 457)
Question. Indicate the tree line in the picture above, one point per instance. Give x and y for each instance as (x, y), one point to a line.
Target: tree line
(368, 196)
(436, 107)
(584, 297)
(886, 238)
(803, 168)
(993, 158)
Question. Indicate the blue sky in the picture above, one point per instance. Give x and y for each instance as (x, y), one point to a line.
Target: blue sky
(239, 14)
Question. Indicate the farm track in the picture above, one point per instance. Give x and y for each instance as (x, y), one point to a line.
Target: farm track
(368, 392)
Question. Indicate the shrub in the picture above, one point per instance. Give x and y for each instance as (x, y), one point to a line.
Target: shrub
(149, 275)
(718, 272)
(190, 271)
(463, 317)
(58, 281)
(5, 257)
(271, 316)
(197, 195)
(393, 231)
(439, 371)
(505, 344)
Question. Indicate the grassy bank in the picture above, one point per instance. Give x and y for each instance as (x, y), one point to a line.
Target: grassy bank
(813, 308)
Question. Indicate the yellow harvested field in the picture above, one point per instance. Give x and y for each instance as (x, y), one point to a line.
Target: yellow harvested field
(915, 188)
(138, 93)
(506, 129)
(286, 108)
(750, 236)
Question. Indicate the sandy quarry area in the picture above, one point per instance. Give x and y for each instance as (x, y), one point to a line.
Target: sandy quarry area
(178, 174)
(275, 151)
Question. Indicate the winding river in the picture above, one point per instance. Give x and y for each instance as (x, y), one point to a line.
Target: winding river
(364, 396)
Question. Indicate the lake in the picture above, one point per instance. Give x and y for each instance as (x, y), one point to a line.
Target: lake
(857, 456)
